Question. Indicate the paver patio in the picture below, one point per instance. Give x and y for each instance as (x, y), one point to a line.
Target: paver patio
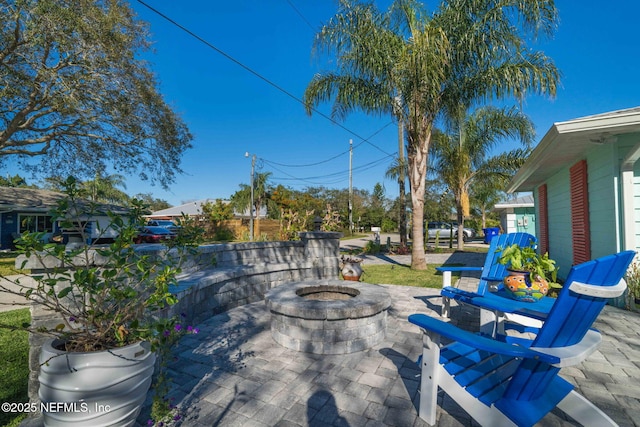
(233, 374)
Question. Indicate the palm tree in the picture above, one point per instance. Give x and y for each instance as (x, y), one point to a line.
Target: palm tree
(460, 156)
(104, 189)
(241, 199)
(415, 67)
(484, 196)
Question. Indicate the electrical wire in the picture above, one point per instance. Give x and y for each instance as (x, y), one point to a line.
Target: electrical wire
(337, 155)
(301, 15)
(255, 73)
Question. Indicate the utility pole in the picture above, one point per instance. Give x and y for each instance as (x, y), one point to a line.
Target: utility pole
(351, 185)
(401, 181)
(253, 165)
(401, 173)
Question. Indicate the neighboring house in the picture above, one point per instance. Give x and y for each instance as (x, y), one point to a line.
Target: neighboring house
(517, 215)
(585, 178)
(195, 209)
(27, 209)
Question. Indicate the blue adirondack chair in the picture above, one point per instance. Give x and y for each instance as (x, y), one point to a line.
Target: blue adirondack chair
(492, 320)
(501, 384)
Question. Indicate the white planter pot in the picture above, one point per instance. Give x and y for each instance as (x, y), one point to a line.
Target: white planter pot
(102, 388)
(351, 271)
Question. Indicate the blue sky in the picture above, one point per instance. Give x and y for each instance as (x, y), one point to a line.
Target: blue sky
(231, 111)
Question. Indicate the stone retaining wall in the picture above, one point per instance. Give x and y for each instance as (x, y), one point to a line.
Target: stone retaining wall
(219, 277)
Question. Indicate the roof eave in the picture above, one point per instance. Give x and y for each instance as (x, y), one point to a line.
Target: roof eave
(583, 130)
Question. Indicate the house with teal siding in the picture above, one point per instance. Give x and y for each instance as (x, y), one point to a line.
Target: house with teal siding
(517, 215)
(585, 179)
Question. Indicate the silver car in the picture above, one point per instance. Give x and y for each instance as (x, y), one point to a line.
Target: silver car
(444, 230)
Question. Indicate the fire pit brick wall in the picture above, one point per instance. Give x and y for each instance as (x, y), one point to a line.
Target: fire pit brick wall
(219, 277)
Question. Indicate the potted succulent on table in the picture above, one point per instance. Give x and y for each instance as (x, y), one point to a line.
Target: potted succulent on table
(102, 305)
(530, 274)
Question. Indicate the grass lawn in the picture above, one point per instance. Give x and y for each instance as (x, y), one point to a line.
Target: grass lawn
(7, 263)
(395, 274)
(14, 359)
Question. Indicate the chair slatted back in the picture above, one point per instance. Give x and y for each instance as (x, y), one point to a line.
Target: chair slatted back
(569, 320)
(491, 266)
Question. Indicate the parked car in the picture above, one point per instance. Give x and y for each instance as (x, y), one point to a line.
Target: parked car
(444, 230)
(164, 223)
(154, 235)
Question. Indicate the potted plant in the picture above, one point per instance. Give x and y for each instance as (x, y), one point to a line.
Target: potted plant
(104, 305)
(350, 268)
(633, 285)
(530, 273)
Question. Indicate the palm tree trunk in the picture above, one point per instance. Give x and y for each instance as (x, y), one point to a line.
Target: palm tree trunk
(403, 215)
(417, 154)
(460, 217)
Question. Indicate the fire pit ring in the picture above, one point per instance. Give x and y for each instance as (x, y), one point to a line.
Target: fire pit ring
(328, 316)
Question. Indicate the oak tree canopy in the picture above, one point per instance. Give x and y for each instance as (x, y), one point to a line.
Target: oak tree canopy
(75, 95)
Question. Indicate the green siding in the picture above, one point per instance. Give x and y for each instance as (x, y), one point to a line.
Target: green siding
(525, 220)
(558, 201)
(603, 220)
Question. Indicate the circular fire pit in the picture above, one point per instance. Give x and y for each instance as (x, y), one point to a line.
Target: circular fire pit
(328, 316)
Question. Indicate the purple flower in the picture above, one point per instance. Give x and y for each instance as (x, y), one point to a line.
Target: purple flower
(166, 333)
(149, 422)
(189, 328)
(196, 330)
(72, 319)
(178, 327)
(176, 417)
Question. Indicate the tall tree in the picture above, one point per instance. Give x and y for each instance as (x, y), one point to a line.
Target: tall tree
(397, 171)
(461, 155)
(154, 203)
(75, 95)
(13, 181)
(241, 199)
(483, 197)
(105, 189)
(415, 67)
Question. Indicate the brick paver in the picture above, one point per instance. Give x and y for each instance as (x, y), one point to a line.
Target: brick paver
(233, 373)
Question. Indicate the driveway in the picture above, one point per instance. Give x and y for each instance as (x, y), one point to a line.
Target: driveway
(9, 301)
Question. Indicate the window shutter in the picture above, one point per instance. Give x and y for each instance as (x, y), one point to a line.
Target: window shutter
(580, 212)
(543, 219)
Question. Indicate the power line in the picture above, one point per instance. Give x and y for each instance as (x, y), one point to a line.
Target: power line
(339, 176)
(300, 15)
(336, 156)
(255, 73)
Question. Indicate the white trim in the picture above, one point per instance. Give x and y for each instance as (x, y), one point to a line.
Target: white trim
(628, 195)
(599, 291)
(572, 355)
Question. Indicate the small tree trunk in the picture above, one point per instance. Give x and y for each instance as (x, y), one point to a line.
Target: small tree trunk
(460, 227)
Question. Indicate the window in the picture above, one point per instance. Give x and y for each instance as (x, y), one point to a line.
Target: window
(35, 223)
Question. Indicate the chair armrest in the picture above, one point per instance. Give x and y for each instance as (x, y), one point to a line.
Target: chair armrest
(574, 354)
(458, 269)
(499, 301)
(599, 291)
(447, 330)
(446, 273)
(459, 294)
